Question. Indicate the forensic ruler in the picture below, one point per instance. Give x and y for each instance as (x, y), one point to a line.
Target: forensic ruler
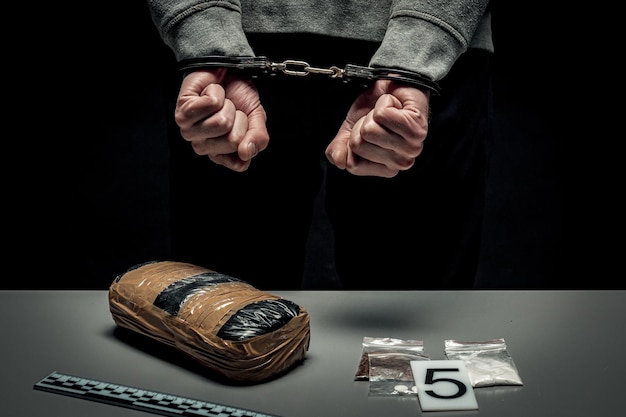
(138, 399)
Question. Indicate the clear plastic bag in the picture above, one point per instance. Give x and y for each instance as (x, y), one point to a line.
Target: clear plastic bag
(386, 363)
(391, 374)
(488, 362)
(371, 345)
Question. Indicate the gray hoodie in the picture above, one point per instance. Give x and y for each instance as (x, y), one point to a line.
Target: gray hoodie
(423, 36)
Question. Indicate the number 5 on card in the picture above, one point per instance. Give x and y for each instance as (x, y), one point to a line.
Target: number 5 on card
(443, 385)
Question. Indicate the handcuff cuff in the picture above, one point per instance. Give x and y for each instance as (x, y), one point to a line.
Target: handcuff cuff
(259, 66)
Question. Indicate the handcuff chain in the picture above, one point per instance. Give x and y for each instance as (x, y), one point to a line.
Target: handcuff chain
(255, 66)
(302, 68)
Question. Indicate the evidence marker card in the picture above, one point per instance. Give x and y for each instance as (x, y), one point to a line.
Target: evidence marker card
(443, 385)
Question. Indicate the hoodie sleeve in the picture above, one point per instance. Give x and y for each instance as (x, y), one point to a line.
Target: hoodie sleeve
(193, 28)
(428, 36)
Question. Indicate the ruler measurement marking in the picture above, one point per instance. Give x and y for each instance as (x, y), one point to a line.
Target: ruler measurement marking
(138, 399)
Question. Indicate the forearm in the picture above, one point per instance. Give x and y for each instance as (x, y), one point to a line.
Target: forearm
(194, 28)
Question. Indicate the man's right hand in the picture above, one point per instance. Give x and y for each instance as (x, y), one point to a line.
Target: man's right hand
(222, 117)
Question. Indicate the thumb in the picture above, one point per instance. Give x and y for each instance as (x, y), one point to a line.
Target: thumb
(195, 83)
(337, 149)
(388, 100)
(256, 137)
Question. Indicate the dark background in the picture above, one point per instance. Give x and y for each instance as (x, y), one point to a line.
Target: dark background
(86, 160)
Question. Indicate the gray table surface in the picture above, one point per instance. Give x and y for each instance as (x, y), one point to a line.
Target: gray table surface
(569, 348)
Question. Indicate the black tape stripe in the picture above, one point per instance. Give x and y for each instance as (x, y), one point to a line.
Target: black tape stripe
(259, 318)
(174, 295)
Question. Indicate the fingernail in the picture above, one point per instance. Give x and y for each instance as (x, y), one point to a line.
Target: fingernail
(252, 148)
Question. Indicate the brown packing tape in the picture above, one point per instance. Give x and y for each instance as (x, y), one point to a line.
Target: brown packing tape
(194, 329)
(273, 354)
(147, 281)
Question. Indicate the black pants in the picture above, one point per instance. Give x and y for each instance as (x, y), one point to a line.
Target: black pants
(420, 229)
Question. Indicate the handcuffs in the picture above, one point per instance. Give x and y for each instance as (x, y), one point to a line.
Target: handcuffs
(258, 66)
